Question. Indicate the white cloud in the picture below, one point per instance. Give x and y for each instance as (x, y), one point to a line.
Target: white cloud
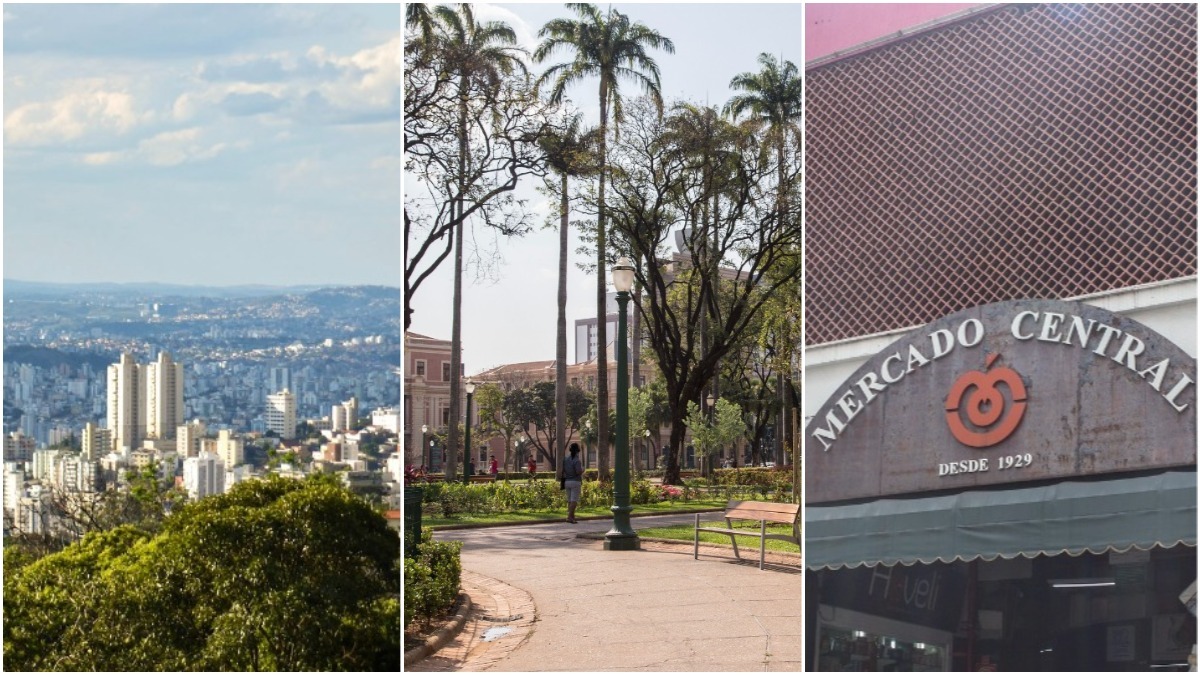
(101, 158)
(88, 109)
(169, 148)
(368, 78)
(172, 148)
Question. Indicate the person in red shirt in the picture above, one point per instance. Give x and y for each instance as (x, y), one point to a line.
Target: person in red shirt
(532, 465)
(494, 468)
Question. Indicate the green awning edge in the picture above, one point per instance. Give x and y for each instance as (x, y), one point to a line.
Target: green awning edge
(1071, 517)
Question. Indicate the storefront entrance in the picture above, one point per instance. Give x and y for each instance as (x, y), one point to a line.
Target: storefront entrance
(1092, 612)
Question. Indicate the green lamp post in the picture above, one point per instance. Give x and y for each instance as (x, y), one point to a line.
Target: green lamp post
(424, 433)
(622, 537)
(470, 387)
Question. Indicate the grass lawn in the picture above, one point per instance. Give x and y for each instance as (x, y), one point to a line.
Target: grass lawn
(687, 533)
(517, 517)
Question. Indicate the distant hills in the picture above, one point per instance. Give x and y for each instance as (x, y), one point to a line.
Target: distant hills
(48, 357)
(17, 288)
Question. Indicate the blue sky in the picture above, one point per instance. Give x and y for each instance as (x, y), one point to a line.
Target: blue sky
(202, 144)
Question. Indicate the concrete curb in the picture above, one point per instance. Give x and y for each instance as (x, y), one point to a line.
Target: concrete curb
(480, 526)
(447, 633)
(596, 536)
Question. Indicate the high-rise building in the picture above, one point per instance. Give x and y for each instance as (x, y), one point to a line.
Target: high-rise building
(164, 396)
(14, 489)
(144, 401)
(281, 414)
(125, 404)
(73, 473)
(344, 417)
(203, 475)
(230, 449)
(351, 407)
(97, 442)
(187, 438)
(18, 447)
(279, 378)
(337, 418)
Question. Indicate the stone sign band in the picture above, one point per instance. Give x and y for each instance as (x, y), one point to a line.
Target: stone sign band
(1021, 390)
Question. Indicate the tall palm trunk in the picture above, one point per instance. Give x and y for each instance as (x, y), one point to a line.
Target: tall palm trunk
(602, 433)
(560, 385)
(452, 440)
(785, 431)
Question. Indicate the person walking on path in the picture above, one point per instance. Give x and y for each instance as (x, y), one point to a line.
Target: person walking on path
(572, 481)
(532, 466)
(494, 468)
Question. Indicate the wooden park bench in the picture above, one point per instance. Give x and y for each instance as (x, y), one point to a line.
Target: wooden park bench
(763, 512)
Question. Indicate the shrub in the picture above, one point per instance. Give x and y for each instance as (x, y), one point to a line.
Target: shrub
(431, 581)
(644, 492)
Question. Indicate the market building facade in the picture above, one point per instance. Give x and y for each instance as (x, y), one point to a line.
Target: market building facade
(1000, 364)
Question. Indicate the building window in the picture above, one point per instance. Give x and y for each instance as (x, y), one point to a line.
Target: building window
(445, 417)
(421, 367)
(445, 371)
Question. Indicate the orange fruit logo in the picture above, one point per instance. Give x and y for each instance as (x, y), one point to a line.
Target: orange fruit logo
(977, 396)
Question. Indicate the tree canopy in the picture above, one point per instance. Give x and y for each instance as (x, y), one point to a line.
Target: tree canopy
(278, 575)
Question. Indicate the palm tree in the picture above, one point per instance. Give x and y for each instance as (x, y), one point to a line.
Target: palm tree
(481, 55)
(569, 154)
(773, 97)
(608, 46)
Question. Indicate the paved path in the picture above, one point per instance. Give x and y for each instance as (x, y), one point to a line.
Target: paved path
(597, 610)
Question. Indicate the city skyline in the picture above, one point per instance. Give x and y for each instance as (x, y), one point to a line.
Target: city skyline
(202, 144)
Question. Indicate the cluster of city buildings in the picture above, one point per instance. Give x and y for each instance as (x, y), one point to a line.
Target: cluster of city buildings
(145, 427)
(51, 403)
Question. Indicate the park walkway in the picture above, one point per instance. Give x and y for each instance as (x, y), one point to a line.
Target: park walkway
(548, 601)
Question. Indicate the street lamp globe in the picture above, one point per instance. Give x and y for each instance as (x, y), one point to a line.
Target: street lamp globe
(622, 274)
(424, 428)
(711, 401)
(470, 387)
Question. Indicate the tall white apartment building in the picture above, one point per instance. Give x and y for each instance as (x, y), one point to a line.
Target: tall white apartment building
(164, 397)
(125, 405)
(188, 437)
(203, 475)
(96, 442)
(14, 489)
(144, 401)
(343, 417)
(230, 449)
(73, 473)
(281, 414)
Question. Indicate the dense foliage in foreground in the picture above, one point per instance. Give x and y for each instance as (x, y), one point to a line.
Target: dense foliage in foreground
(277, 575)
(431, 579)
